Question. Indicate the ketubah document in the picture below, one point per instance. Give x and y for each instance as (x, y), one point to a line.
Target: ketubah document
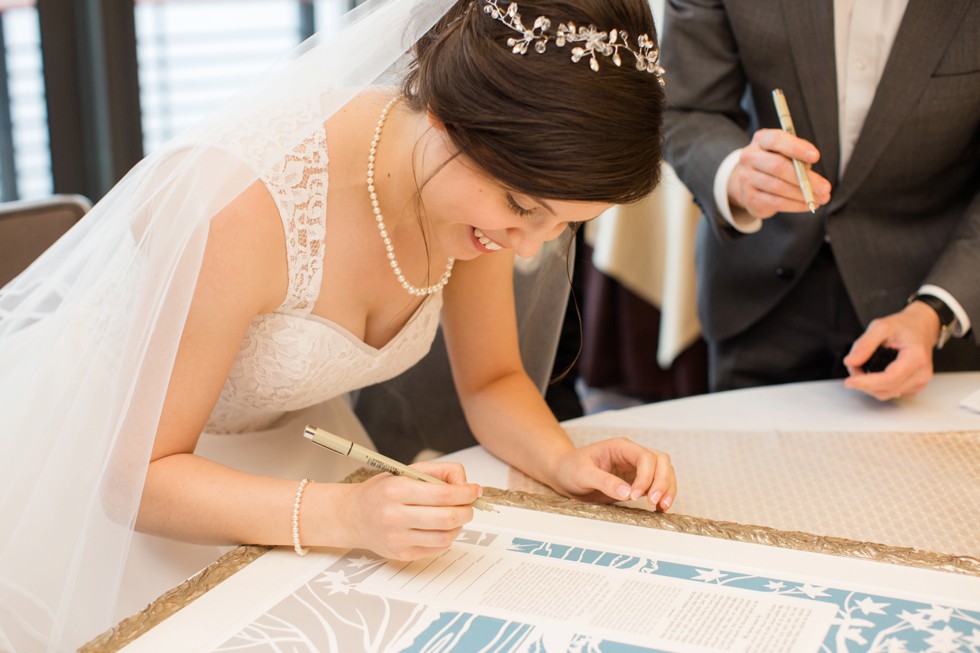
(538, 582)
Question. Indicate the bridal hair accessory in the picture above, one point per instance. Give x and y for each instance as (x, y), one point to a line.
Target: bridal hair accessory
(383, 231)
(608, 44)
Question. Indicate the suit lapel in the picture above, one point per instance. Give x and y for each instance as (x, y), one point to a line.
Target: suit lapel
(810, 28)
(917, 49)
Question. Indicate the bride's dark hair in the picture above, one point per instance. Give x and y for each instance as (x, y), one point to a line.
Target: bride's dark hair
(539, 122)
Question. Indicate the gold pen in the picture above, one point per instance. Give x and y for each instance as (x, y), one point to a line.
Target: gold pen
(347, 448)
(786, 122)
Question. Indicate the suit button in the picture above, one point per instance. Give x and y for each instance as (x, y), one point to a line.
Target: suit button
(785, 273)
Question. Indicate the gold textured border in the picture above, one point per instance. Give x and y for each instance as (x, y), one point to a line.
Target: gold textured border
(173, 600)
(182, 595)
(547, 500)
(838, 546)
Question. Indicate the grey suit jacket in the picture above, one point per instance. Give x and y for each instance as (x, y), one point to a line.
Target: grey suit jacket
(907, 209)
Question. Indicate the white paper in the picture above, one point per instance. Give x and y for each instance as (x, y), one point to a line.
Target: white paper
(614, 579)
(625, 605)
(971, 402)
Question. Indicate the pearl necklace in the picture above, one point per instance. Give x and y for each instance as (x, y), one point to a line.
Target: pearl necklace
(383, 231)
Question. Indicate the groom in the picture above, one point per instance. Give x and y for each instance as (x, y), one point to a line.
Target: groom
(885, 96)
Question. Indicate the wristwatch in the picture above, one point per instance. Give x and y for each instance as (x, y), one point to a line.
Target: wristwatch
(947, 319)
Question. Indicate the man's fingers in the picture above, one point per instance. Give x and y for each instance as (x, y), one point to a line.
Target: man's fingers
(781, 142)
(781, 167)
(771, 154)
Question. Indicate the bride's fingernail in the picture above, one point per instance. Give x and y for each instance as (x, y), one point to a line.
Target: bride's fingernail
(654, 497)
(623, 492)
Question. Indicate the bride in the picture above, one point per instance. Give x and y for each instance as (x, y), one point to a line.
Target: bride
(300, 244)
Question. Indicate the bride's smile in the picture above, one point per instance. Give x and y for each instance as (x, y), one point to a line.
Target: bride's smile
(464, 211)
(472, 214)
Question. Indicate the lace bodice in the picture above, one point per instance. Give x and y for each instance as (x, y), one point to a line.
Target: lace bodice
(291, 359)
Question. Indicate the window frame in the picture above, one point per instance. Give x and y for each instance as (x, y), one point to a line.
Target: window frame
(92, 92)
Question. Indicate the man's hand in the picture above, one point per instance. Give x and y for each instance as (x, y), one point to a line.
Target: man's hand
(913, 332)
(764, 182)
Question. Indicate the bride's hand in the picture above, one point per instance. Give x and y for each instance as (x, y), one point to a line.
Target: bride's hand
(405, 519)
(617, 470)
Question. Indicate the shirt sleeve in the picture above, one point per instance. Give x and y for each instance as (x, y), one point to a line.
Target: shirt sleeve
(738, 218)
(962, 319)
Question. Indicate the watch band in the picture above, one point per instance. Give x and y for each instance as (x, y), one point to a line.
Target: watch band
(947, 319)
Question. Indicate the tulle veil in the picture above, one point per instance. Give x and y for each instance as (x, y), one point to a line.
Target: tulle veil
(88, 333)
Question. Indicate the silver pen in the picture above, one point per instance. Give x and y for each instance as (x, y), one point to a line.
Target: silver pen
(347, 448)
(786, 122)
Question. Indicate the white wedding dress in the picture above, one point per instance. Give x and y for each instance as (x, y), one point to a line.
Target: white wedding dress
(89, 334)
(292, 368)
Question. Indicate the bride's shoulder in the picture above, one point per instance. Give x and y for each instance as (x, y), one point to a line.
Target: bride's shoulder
(246, 246)
(363, 108)
(352, 125)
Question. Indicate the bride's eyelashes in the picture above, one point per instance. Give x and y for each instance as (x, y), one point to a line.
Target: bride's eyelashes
(517, 208)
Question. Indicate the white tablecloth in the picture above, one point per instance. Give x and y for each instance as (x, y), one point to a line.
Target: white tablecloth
(816, 405)
(648, 247)
(809, 457)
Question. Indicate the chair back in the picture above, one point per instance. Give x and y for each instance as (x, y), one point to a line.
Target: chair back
(28, 227)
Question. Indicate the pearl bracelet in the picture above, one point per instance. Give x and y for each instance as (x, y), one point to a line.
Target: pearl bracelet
(299, 498)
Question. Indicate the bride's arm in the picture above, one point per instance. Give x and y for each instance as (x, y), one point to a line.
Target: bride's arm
(187, 497)
(506, 411)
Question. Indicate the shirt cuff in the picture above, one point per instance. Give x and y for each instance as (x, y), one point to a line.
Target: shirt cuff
(738, 218)
(962, 319)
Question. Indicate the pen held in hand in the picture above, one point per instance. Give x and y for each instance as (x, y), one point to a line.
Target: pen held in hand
(786, 122)
(880, 360)
(347, 448)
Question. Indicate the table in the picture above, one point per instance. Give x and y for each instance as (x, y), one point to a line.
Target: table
(820, 405)
(810, 457)
(795, 415)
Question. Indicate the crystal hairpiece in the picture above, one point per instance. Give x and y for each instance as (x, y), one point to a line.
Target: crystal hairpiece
(595, 42)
